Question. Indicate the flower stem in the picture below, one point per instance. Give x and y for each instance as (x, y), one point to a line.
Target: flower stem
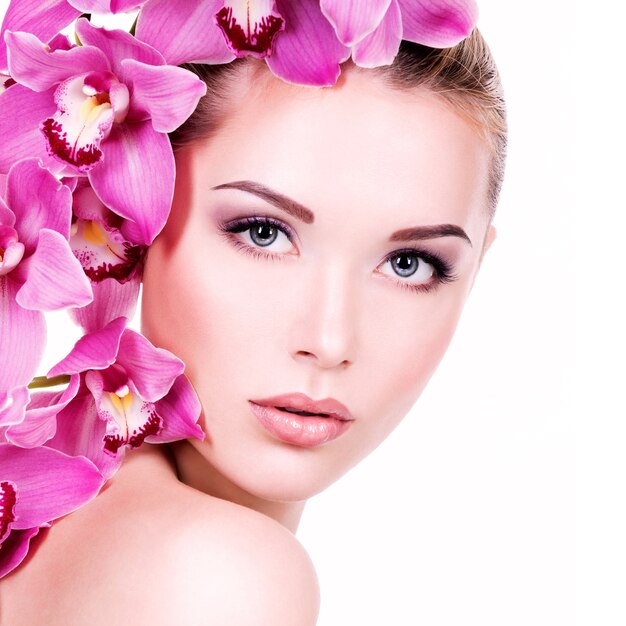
(39, 382)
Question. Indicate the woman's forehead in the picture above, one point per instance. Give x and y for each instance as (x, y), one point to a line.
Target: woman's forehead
(360, 144)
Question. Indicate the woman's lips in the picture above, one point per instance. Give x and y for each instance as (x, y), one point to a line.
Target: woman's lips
(277, 414)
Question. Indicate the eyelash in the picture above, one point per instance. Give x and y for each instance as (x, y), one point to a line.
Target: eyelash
(443, 271)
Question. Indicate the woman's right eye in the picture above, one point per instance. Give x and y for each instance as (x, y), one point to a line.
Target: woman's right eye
(262, 233)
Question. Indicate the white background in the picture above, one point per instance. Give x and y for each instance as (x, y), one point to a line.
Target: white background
(498, 501)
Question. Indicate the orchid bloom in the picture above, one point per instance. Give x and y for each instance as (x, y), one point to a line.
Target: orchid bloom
(297, 42)
(129, 392)
(101, 110)
(45, 19)
(112, 263)
(373, 29)
(36, 487)
(38, 272)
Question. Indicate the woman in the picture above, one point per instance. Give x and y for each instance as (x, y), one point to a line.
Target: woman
(320, 249)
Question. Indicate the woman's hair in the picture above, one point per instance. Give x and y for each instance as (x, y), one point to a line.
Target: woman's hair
(465, 76)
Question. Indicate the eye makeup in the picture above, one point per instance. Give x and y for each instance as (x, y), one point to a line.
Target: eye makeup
(442, 270)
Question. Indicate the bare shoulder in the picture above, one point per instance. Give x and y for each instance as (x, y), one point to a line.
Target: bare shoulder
(169, 556)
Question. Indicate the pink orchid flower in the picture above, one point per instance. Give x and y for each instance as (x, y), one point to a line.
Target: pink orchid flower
(373, 29)
(45, 19)
(102, 110)
(296, 40)
(112, 263)
(36, 487)
(129, 392)
(38, 272)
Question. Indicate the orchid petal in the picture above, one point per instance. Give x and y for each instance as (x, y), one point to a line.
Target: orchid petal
(43, 19)
(106, 6)
(32, 64)
(81, 432)
(136, 179)
(111, 300)
(39, 201)
(11, 250)
(129, 418)
(103, 252)
(22, 338)
(75, 131)
(381, 46)
(437, 23)
(184, 31)
(8, 500)
(13, 405)
(117, 45)
(152, 370)
(250, 26)
(168, 95)
(49, 483)
(15, 548)
(180, 410)
(39, 424)
(54, 277)
(354, 19)
(96, 350)
(22, 112)
(307, 52)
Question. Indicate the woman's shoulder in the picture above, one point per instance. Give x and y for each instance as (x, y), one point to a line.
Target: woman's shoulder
(166, 555)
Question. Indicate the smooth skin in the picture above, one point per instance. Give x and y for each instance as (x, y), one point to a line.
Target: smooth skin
(201, 532)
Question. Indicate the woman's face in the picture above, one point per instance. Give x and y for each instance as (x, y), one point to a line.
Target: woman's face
(322, 242)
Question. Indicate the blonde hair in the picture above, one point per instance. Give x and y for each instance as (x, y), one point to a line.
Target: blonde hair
(465, 76)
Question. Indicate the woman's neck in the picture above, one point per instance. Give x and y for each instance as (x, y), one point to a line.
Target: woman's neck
(193, 470)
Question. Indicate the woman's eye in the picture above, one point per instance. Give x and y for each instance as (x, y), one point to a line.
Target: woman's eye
(409, 266)
(262, 233)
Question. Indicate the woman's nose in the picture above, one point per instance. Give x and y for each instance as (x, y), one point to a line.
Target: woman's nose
(324, 327)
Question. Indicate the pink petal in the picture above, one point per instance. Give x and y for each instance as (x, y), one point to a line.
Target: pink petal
(22, 112)
(184, 31)
(103, 252)
(39, 425)
(106, 6)
(15, 548)
(136, 178)
(381, 46)
(22, 339)
(43, 19)
(437, 23)
(54, 277)
(180, 410)
(8, 500)
(118, 45)
(96, 350)
(33, 65)
(11, 250)
(129, 419)
(354, 19)
(111, 300)
(13, 406)
(250, 26)
(75, 131)
(307, 52)
(39, 201)
(165, 94)
(151, 370)
(49, 483)
(81, 432)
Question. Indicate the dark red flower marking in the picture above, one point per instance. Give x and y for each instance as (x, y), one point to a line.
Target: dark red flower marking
(59, 145)
(8, 498)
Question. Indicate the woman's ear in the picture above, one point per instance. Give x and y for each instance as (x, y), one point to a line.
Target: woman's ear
(489, 239)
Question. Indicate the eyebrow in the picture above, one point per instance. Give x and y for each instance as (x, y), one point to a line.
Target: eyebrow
(299, 211)
(272, 197)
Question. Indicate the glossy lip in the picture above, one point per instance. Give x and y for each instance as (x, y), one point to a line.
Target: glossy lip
(302, 402)
(305, 431)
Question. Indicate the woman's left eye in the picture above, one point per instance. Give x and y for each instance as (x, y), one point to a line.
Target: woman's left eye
(415, 269)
